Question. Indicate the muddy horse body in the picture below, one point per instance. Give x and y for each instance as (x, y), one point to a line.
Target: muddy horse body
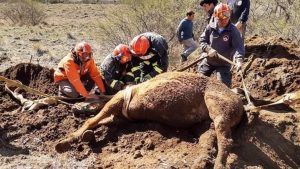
(177, 99)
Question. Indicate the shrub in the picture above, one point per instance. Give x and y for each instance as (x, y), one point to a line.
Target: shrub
(132, 17)
(275, 18)
(23, 12)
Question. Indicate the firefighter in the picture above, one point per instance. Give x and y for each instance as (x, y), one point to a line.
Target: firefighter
(150, 56)
(116, 69)
(77, 73)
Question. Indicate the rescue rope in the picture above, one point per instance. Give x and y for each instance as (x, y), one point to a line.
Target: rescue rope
(127, 98)
(28, 89)
(250, 104)
(289, 98)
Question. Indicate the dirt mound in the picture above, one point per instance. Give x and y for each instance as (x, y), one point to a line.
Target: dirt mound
(34, 76)
(264, 140)
(272, 67)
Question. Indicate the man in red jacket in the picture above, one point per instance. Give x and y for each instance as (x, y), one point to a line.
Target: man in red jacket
(77, 73)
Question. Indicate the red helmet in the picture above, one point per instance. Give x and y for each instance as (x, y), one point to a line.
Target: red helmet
(122, 53)
(139, 45)
(84, 51)
(222, 11)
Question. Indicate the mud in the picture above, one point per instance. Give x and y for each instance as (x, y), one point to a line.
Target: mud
(268, 139)
(272, 67)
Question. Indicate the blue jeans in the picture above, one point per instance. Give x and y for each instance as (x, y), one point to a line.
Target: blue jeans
(189, 46)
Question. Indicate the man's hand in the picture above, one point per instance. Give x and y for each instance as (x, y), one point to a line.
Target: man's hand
(239, 25)
(212, 53)
(239, 63)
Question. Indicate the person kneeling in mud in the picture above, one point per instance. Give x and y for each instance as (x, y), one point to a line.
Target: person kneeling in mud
(116, 69)
(77, 73)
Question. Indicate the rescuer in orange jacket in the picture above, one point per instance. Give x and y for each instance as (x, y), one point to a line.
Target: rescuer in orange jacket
(77, 73)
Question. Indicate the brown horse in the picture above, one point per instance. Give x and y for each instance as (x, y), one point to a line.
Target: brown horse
(177, 99)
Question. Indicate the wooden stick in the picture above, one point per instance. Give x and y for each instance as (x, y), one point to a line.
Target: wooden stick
(192, 64)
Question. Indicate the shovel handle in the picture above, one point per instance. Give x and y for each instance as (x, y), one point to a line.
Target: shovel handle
(225, 59)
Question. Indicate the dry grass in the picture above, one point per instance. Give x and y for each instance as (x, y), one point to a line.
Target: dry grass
(23, 12)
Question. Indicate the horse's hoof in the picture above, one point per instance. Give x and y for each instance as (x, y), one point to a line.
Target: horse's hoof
(62, 147)
(88, 136)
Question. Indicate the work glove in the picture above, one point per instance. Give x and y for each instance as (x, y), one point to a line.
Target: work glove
(146, 77)
(239, 63)
(212, 53)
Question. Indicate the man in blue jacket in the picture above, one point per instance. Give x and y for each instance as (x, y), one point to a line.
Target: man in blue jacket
(240, 13)
(221, 37)
(185, 35)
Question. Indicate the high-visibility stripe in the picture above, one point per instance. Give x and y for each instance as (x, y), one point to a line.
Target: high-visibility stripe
(157, 69)
(135, 68)
(147, 62)
(113, 83)
(154, 64)
(137, 79)
(130, 74)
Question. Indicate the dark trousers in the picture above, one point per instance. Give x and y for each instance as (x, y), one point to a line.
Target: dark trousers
(223, 72)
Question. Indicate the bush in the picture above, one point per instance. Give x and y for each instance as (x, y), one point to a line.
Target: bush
(132, 17)
(275, 18)
(23, 12)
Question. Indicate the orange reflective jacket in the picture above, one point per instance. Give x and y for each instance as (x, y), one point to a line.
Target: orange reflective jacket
(69, 70)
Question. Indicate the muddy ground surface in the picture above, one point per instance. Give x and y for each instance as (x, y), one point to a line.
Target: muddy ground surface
(268, 139)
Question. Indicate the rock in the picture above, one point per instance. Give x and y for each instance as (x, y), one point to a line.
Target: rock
(149, 144)
(137, 154)
(138, 147)
(114, 150)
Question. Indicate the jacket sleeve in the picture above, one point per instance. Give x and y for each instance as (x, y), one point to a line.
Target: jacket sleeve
(238, 44)
(179, 30)
(163, 60)
(136, 69)
(245, 11)
(96, 76)
(108, 68)
(74, 77)
(204, 39)
(129, 76)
